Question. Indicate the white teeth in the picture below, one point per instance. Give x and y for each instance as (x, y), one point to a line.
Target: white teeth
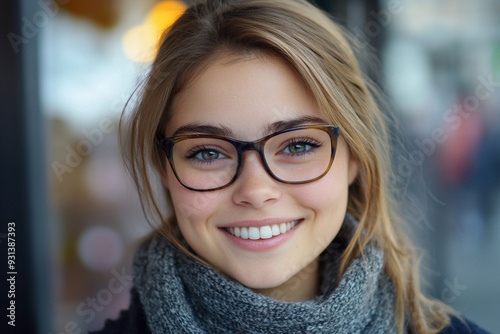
(244, 233)
(276, 229)
(264, 232)
(283, 227)
(253, 233)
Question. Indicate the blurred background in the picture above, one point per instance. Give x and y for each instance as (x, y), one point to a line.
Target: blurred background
(69, 66)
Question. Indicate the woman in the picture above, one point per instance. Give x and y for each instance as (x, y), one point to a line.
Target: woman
(274, 157)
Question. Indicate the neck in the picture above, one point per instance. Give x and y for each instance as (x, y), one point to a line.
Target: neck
(302, 286)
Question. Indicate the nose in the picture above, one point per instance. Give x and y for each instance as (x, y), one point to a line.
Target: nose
(255, 187)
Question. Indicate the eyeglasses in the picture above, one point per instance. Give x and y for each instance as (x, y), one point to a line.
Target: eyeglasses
(208, 162)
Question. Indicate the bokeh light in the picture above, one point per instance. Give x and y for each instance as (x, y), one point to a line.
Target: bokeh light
(140, 43)
(100, 248)
(165, 13)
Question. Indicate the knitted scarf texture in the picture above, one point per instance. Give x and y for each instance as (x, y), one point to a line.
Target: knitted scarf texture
(181, 295)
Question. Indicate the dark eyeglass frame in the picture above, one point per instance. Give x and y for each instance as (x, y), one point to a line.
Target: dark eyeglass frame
(167, 144)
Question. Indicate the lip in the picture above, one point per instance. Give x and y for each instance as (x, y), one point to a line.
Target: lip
(260, 244)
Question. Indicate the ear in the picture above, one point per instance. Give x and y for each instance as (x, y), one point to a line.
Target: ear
(353, 169)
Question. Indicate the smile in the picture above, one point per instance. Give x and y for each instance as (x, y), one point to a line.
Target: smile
(263, 232)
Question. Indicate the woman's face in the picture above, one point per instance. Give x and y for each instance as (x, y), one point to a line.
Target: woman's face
(247, 97)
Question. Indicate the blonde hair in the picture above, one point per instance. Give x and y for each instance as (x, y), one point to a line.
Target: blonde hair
(318, 49)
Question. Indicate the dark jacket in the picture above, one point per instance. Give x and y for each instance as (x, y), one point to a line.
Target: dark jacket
(133, 321)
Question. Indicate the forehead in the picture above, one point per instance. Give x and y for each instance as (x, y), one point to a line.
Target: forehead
(244, 95)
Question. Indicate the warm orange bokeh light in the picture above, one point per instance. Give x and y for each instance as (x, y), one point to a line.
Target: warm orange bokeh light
(165, 13)
(140, 42)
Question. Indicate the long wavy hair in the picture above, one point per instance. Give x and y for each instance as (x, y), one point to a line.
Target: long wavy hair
(322, 54)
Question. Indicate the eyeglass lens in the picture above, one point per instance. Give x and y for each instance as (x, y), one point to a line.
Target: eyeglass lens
(295, 156)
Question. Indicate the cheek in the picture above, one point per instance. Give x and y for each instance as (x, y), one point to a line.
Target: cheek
(329, 208)
(192, 208)
(327, 200)
(329, 194)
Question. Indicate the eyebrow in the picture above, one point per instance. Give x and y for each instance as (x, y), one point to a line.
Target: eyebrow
(283, 125)
(200, 128)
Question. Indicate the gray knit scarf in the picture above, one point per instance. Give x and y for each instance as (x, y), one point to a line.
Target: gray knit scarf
(180, 295)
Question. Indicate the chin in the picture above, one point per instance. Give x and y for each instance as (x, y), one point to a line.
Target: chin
(268, 281)
(264, 282)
